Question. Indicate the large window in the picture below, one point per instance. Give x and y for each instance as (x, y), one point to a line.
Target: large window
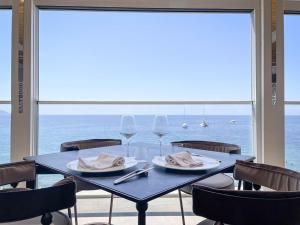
(292, 94)
(144, 56)
(5, 83)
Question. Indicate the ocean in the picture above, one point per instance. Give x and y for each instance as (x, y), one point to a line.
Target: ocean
(56, 129)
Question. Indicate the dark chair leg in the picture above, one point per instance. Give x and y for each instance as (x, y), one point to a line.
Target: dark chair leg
(181, 207)
(70, 215)
(110, 209)
(75, 214)
(46, 219)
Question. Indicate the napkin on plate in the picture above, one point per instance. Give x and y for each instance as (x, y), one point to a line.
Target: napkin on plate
(182, 159)
(103, 161)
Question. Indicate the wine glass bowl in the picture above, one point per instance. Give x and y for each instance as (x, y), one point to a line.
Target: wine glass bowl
(160, 128)
(128, 129)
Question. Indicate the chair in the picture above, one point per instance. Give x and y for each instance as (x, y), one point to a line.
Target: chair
(21, 206)
(88, 144)
(281, 206)
(218, 181)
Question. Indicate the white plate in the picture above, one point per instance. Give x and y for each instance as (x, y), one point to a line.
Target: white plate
(208, 163)
(129, 162)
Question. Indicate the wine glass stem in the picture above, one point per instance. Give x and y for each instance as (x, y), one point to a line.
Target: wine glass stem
(127, 148)
(160, 152)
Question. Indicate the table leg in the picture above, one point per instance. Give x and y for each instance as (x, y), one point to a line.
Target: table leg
(32, 184)
(248, 185)
(142, 208)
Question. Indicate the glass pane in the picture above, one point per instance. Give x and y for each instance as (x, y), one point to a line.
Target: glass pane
(292, 134)
(102, 55)
(4, 133)
(292, 79)
(292, 57)
(5, 53)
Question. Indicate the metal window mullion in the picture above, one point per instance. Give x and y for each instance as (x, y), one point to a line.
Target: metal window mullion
(153, 4)
(5, 102)
(145, 102)
(292, 102)
(291, 6)
(256, 83)
(6, 4)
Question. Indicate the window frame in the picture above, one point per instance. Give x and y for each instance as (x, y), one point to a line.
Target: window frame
(291, 7)
(6, 4)
(27, 121)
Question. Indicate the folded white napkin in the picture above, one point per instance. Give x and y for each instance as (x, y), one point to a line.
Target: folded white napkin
(182, 159)
(103, 161)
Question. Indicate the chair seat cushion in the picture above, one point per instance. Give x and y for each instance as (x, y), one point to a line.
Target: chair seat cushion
(218, 181)
(58, 219)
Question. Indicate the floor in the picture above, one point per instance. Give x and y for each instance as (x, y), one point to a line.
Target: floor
(93, 206)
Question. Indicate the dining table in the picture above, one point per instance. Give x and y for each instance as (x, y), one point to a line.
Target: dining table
(140, 190)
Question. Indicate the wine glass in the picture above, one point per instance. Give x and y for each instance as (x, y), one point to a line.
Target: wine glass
(160, 128)
(128, 129)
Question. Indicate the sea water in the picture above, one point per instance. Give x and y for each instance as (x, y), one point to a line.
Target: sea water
(235, 129)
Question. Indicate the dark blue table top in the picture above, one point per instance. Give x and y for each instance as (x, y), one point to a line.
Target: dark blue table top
(159, 182)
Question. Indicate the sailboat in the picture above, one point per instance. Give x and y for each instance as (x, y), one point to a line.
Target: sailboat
(232, 121)
(184, 124)
(204, 123)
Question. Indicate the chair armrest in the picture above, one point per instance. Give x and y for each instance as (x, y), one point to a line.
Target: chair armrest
(274, 177)
(12, 173)
(20, 204)
(247, 207)
(87, 144)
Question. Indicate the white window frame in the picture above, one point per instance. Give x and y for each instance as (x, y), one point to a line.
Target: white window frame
(261, 76)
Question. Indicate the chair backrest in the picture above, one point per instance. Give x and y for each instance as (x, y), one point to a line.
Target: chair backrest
(210, 146)
(13, 173)
(276, 178)
(247, 207)
(20, 204)
(90, 143)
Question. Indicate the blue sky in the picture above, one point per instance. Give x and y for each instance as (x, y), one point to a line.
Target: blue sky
(146, 56)
(292, 57)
